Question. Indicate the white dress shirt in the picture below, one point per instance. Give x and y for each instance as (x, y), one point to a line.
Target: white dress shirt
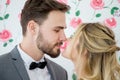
(37, 73)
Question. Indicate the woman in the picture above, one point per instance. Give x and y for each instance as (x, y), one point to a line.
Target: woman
(92, 50)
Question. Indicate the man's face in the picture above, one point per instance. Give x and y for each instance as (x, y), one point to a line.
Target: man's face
(51, 34)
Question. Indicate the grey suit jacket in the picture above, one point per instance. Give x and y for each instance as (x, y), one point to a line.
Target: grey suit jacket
(12, 68)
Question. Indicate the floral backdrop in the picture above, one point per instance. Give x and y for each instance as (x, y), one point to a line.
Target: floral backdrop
(105, 11)
(10, 30)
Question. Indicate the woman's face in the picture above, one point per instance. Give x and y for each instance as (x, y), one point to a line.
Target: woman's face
(71, 50)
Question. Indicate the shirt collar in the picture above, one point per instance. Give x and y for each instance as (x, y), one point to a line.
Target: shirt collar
(26, 58)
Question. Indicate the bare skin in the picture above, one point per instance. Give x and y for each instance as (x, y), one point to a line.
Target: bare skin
(46, 38)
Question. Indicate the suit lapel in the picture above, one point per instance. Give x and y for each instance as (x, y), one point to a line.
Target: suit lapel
(51, 70)
(19, 64)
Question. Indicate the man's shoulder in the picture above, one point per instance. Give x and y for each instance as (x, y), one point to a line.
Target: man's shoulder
(4, 57)
(7, 56)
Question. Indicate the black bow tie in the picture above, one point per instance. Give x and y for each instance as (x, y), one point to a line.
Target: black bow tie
(40, 65)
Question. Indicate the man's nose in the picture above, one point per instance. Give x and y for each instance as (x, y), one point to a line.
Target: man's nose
(63, 36)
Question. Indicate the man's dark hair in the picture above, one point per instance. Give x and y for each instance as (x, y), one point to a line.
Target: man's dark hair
(38, 11)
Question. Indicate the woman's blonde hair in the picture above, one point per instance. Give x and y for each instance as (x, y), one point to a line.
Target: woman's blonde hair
(100, 43)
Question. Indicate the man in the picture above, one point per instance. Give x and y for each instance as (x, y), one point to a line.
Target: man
(43, 24)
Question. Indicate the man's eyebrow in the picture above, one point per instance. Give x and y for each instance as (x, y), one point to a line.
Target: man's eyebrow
(61, 27)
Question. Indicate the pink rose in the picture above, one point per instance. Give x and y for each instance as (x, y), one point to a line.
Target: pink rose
(64, 45)
(5, 35)
(110, 22)
(62, 1)
(119, 1)
(75, 22)
(7, 2)
(97, 4)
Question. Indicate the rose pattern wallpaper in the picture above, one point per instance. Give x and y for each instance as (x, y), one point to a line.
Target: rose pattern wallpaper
(82, 11)
(103, 11)
(5, 35)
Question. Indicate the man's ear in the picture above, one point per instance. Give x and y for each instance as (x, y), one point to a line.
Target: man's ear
(32, 27)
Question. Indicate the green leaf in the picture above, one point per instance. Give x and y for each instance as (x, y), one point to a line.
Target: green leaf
(5, 44)
(11, 40)
(74, 77)
(98, 15)
(1, 18)
(6, 16)
(77, 13)
(113, 10)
